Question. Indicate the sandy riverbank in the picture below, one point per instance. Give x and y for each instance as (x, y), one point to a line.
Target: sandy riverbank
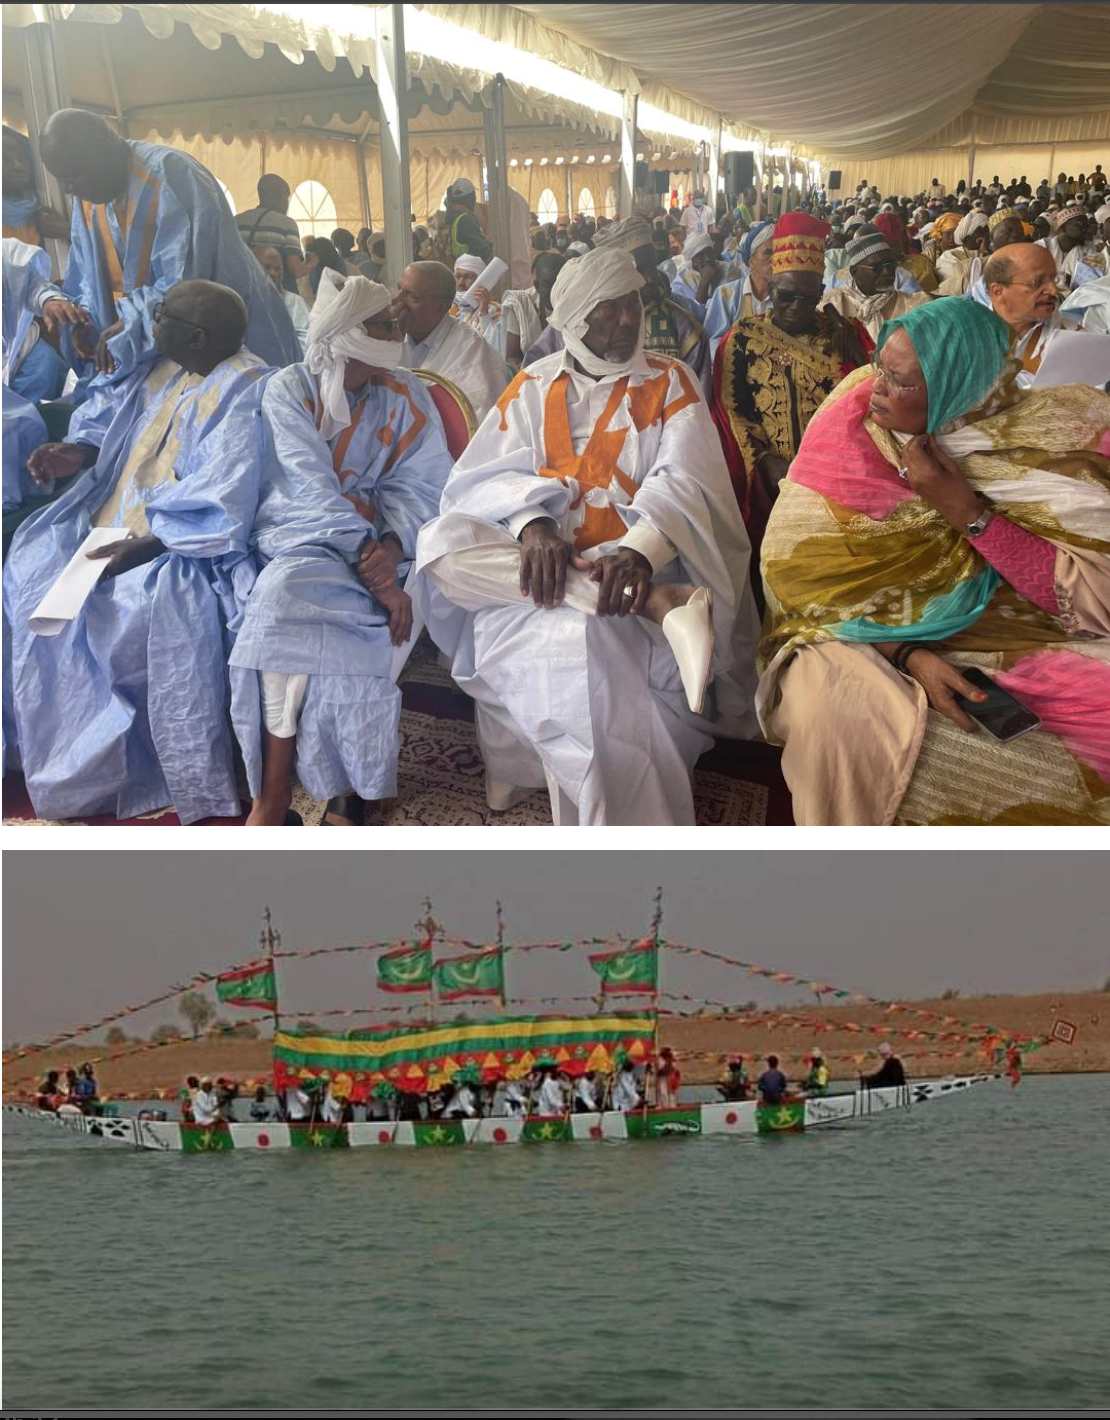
(144, 1075)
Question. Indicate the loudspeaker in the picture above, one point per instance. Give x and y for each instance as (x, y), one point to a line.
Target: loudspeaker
(739, 172)
(662, 183)
(642, 174)
(833, 183)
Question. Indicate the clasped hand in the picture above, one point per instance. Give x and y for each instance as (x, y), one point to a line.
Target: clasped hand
(545, 557)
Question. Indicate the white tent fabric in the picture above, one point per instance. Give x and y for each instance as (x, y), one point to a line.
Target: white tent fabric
(866, 81)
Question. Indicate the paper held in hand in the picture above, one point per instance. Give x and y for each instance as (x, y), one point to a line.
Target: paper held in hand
(1075, 357)
(488, 280)
(67, 596)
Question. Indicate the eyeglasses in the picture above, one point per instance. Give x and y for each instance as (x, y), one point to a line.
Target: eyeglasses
(877, 266)
(160, 311)
(894, 385)
(1042, 283)
(801, 298)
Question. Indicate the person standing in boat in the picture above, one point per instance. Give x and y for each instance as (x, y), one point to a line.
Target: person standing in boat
(516, 1098)
(297, 1104)
(817, 1081)
(227, 1092)
(585, 1093)
(47, 1097)
(206, 1104)
(85, 1092)
(773, 1084)
(890, 1074)
(626, 1093)
(260, 1106)
(552, 1099)
(734, 1085)
(464, 1100)
(188, 1094)
(668, 1078)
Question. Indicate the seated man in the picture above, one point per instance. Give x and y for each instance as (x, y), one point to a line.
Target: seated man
(148, 217)
(354, 461)
(772, 1084)
(890, 1074)
(1021, 287)
(484, 315)
(700, 274)
(962, 264)
(125, 710)
(269, 258)
(434, 341)
(750, 295)
(527, 332)
(1077, 258)
(33, 312)
(869, 295)
(588, 549)
(733, 1085)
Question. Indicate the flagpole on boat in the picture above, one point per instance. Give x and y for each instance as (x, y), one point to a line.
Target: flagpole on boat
(268, 944)
(656, 923)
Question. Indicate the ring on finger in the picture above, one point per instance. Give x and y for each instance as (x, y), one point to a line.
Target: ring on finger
(629, 592)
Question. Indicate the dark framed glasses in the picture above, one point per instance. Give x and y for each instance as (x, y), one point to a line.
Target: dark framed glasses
(160, 311)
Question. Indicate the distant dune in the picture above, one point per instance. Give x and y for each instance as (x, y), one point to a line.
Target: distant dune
(145, 1075)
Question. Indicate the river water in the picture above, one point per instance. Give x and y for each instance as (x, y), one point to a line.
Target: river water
(955, 1256)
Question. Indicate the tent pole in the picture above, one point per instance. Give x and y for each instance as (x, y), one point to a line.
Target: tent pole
(714, 172)
(971, 167)
(570, 194)
(44, 90)
(393, 125)
(627, 193)
(363, 183)
(497, 165)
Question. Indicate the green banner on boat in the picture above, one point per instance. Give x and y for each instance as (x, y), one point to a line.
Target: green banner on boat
(318, 1136)
(205, 1138)
(659, 1123)
(546, 1131)
(780, 1118)
(439, 1131)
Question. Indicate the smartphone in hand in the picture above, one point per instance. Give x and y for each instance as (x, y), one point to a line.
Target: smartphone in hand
(1002, 715)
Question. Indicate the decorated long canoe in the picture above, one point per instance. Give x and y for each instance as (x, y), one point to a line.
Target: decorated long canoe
(743, 1119)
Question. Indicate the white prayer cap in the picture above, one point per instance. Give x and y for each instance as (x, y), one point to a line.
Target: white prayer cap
(605, 274)
(1066, 213)
(887, 207)
(1101, 213)
(971, 223)
(695, 242)
(335, 335)
(466, 262)
(577, 249)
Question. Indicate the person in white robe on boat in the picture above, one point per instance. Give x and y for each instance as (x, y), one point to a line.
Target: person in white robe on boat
(433, 340)
(588, 572)
(206, 1105)
(516, 1098)
(297, 1103)
(586, 1099)
(626, 1092)
(353, 464)
(122, 709)
(464, 1099)
(485, 314)
(552, 1096)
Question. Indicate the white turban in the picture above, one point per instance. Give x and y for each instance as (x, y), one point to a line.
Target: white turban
(466, 262)
(695, 242)
(971, 223)
(1102, 213)
(577, 249)
(605, 274)
(335, 335)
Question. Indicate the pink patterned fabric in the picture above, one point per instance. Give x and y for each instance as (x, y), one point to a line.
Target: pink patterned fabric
(1071, 694)
(839, 460)
(1027, 562)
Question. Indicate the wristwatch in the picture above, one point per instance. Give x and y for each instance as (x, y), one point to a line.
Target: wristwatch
(981, 524)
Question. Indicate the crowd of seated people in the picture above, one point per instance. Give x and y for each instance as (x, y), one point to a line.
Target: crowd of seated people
(589, 489)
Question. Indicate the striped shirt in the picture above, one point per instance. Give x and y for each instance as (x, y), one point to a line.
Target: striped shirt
(263, 227)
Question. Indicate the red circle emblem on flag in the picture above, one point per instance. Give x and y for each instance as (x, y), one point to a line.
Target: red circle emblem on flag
(263, 1141)
(731, 1117)
(595, 1131)
(499, 1136)
(384, 1136)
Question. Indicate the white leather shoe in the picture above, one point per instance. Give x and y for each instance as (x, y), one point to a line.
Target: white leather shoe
(689, 633)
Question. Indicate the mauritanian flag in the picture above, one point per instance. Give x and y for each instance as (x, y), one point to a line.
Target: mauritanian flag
(406, 969)
(546, 1131)
(252, 985)
(439, 1131)
(480, 974)
(634, 969)
(318, 1136)
(205, 1138)
(780, 1118)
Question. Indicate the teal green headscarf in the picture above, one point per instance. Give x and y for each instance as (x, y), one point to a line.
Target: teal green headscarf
(962, 347)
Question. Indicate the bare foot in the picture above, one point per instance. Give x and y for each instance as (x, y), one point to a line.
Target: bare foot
(268, 814)
(664, 597)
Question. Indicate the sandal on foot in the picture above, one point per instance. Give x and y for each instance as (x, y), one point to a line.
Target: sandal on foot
(348, 806)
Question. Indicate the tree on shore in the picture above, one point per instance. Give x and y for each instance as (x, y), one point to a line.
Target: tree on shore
(166, 1031)
(116, 1036)
(197, 1010)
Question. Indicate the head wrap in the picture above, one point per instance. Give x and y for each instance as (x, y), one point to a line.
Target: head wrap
(870, 244)
(600, 275)
(335, 335)
(926, 230)
(890, 224)
(946, 222)
(629, 235)
(887, 207)
(920, 214)
(799, 244)
(757, 235)
(466, 262)
(971, 223)
(1102, 213)
(1066, 213)
(577, 249)
(961, 347)
(696, 242)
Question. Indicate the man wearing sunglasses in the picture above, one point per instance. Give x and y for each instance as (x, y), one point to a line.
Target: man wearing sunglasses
(122, 708)
(869, 295)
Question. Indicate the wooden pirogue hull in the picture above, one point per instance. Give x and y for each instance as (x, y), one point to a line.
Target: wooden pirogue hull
(739, 1119)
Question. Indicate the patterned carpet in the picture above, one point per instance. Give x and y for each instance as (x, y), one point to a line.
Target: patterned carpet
(441, 782)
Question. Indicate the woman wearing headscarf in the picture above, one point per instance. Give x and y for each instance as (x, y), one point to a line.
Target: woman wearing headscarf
(354, 462)
(940, 237)
(772, 371)
(937, 518)
(25, 218)
(750, 295)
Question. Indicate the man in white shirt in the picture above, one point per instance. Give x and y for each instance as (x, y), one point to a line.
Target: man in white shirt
(206, 1106)
(434, 341)
(552, 1099)
(585, 1093)
(591, 538)
(1071, 251)
(298, 1104)
(698, 217)
(463, 1103)
(626, 1094)
(1021, 283)
(936, 190)
(269, 258)
(516, 1098)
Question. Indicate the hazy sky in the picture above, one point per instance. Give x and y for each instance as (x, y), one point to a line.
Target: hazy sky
(87, 932)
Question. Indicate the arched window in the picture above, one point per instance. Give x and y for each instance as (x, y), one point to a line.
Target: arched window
(313, 210)
(586, 202)
(611, 202)
(547, 210)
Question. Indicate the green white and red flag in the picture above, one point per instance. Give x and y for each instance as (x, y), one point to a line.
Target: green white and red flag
(406, 968)
(252, 985)
(634, 969)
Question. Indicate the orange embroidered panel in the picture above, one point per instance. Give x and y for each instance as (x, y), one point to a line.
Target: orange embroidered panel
(594, 467)
(510, 393)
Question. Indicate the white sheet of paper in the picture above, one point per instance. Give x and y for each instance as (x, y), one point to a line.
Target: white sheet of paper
(69, 593)
(488, 279)
(1075, 357)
